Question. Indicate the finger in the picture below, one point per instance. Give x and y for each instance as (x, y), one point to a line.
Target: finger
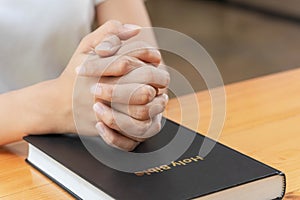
(143, 112)
(108, 46)
(148, 74)
(112, 43)
(128, 31)
(142, 51)
(127, 135)
(115, 139)
(110, 66)
(116, 120)
(120, 64)
(132, 93)
(111, 27)
(125, 124)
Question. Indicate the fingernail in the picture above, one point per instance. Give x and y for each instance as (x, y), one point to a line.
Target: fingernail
(96, 90)
(98, 108)
(131, 27)
(166, 97)
(100, 128)
(80, 70)
(104, 46)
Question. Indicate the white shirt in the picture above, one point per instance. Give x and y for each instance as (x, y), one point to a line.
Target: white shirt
(38, 37)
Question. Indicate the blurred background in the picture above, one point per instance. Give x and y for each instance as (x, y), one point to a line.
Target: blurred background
(245, 38)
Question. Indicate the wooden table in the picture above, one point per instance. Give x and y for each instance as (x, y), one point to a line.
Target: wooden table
(262, 121)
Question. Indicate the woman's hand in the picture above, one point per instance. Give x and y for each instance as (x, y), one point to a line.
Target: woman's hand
(62, 96)
(127, 104)
(128, 108)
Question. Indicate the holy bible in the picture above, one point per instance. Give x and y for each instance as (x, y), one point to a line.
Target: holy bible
(224, 174)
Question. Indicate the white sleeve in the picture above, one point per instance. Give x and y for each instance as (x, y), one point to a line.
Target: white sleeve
(98, 2)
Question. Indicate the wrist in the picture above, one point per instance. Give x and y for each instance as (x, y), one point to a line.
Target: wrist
(52, 108)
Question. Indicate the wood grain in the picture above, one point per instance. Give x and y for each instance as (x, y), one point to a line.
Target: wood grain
(262, 121)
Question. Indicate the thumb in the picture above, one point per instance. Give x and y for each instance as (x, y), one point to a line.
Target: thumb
(111, 28)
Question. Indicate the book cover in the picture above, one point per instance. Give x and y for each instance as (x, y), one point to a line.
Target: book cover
(191, 176)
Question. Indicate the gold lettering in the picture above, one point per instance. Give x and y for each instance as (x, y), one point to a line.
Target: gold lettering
(147, 172)
(159, 169)
(197, 158)
(165, 167)
(177, 163)
(139, 173)
(187, 160)
(151, 170)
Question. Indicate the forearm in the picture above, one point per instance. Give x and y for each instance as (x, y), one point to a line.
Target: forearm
(125, 11)
(32, 110)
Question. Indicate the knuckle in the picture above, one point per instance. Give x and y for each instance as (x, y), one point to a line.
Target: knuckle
(89, 64)
(144, 51)
(110, 141)
(124, 64)
(142, 130)
(86, 39)
(132, 146)
(145, 98)
(113, 140)
(143, 112)
(146, 94)
(142, 139)
(147, 52)
(110, 121)
(107, 92)
(109, 89)
(149, 74)
(152, 54)
(143, 127)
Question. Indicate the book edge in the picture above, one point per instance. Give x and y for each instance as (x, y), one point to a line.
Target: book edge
(53, 180)
(232, 187)
(65, 168)
(78, 174)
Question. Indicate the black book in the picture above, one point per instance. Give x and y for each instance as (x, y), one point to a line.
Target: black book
(223, 174)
